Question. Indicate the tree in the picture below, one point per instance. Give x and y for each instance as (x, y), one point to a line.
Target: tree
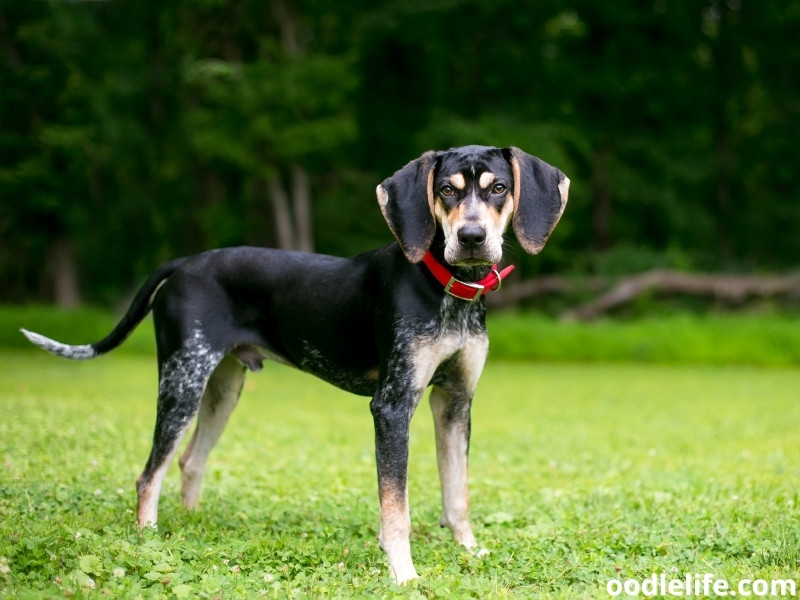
(135, 132)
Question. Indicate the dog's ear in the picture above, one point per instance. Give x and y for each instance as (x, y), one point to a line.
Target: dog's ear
(406, 201)
(540, 195)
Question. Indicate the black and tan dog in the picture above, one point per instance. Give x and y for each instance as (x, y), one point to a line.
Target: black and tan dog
(385, 324)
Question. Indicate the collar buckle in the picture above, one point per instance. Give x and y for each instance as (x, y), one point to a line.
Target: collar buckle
(474, 286)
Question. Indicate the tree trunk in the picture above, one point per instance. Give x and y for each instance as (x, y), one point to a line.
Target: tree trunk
(301, 200)
(283, 216)
(724, 175)
(602, 208)
(63, 272)
(293, 214)
(287, 22)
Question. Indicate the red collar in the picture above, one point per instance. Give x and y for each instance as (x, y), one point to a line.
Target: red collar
(466, 290)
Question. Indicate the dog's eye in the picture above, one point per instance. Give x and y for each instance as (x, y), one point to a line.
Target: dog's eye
(499, 188)
(447, 190)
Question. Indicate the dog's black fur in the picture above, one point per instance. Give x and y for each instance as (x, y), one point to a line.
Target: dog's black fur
(377, 325)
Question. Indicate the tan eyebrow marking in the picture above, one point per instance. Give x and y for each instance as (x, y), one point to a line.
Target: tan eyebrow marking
(486, 179)
(458, 181)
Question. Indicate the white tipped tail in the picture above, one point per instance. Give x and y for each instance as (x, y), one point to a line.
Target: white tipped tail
(82, 352)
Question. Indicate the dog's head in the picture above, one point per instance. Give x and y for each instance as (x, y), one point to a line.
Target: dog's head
(472, 193)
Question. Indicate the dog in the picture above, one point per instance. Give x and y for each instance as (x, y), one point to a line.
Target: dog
(386, 324)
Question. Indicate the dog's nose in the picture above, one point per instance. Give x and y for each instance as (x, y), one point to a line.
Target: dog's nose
(472, 236)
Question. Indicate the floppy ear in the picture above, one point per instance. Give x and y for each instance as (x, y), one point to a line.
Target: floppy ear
(406, 201)
(540, 195)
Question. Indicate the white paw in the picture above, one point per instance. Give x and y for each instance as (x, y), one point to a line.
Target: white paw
(404, 575)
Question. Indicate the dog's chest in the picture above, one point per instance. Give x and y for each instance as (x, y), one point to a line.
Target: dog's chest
(452, 345)
(457, 326)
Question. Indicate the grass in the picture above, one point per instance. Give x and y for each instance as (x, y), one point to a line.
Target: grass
(770, 339)
(74, 326)
(679, 338)
(579, 473)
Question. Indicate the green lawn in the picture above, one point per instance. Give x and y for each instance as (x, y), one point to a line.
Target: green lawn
(580, 473)
(769, 339)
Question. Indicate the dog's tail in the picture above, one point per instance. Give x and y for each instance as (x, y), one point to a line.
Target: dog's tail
(137, 311)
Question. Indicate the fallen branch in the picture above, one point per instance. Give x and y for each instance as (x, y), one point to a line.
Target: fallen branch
(551, 284)
(730, 288)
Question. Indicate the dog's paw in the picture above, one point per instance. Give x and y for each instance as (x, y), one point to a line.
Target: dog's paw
(479, 552)
(403, 576)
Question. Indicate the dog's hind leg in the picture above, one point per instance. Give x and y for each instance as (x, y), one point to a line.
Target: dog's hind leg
(182, 382)
(220, 398)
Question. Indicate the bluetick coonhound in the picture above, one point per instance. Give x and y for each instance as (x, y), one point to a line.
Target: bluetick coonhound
(386, 324)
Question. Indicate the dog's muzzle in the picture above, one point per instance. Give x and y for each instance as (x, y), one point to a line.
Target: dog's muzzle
(471, 237)
(472, 247)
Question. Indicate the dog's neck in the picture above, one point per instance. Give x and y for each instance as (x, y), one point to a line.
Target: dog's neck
(470, 273)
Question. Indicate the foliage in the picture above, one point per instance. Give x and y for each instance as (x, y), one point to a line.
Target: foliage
(579, 474)
(140, 132)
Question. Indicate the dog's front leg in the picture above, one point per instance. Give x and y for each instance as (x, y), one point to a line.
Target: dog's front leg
(451, 416)
(451, 401)
(392, 408)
